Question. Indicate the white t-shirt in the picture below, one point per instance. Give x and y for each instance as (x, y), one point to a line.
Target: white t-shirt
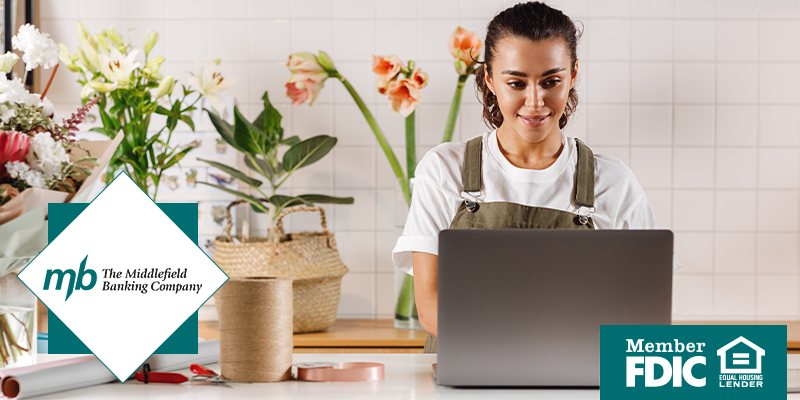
(619, 200)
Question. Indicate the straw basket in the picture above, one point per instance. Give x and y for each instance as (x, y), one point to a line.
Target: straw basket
(310, 258)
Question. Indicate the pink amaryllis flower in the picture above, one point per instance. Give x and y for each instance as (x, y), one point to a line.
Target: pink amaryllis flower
(419, 77)
(302, 87)
(13, 147)
(465, 46)
(308, 77)
(405, 95)
(386, 66)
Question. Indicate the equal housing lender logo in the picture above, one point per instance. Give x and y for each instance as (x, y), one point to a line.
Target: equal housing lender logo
(692, 362)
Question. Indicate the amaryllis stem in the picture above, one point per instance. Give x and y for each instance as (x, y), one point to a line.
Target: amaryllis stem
(411, 145)
(49, 81)
(373, 124)
(454, 108)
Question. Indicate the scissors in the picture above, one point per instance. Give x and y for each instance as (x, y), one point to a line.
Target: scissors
(204, 376)
(207, 376)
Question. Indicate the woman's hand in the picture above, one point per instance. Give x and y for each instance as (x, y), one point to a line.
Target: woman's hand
(426, 295)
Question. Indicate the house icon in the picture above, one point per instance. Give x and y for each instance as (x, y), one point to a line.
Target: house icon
(743, 356)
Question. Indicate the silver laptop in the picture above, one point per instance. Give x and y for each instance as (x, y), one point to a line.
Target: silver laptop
(524, 307)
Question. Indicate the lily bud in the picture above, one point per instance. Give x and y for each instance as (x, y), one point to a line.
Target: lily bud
(155, 77)
(64, 55)
(411, 65)
(149, 41)
(101, 41)
(83, 33)
(114, 36)
(7, 62)
(217, 61)
(101, 87)
(153, 65)
(89, 57)
(461, 66)
(165, 88)
(326, 62)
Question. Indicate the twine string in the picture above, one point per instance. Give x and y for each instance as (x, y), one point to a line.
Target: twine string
(255, 324)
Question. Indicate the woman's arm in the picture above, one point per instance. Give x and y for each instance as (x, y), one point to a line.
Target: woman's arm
(425, 290)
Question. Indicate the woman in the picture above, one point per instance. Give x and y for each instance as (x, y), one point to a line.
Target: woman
(525, 173)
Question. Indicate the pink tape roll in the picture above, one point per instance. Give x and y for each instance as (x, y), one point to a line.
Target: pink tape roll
(344, 372)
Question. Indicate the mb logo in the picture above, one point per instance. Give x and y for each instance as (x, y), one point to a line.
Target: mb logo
(76, 284)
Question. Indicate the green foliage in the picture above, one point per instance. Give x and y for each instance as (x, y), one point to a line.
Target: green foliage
(260, 141)
(27, 119)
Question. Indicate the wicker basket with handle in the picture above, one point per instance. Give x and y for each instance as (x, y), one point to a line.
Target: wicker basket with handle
(310, 258)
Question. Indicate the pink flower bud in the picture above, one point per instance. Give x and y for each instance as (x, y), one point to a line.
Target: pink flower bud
(304, 62)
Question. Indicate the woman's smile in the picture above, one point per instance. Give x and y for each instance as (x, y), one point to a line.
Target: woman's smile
(534, 121)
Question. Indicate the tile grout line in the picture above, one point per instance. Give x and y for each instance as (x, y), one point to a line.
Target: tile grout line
(758, 167)
(714, 196)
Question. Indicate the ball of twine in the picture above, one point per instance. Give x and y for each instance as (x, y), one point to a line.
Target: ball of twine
(255, 328)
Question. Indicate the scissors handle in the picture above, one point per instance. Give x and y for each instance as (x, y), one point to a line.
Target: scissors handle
(201, 370)
(162, 377)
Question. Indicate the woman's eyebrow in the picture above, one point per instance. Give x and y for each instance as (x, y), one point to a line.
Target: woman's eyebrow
(524, 75)
(552, 71)
(515, 73)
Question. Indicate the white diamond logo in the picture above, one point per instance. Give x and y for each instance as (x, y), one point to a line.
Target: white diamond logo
(123, 277)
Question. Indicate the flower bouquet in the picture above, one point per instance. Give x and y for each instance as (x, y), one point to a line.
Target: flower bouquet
(402, 84)
(40, 163)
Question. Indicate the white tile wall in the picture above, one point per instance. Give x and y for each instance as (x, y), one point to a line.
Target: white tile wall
(701, 98)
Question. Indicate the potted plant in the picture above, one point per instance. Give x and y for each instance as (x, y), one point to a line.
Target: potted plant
(260, 141)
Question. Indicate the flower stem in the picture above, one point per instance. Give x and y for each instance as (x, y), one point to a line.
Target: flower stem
(373, 124)
(454, 108)
(411, 145)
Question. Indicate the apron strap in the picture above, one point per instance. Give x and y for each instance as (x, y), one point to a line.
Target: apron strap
(584, 185)
(471, 175)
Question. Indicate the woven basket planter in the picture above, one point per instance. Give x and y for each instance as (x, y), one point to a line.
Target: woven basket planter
(310, 258)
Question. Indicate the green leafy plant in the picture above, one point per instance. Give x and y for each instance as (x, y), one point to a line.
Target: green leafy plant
(260, 141)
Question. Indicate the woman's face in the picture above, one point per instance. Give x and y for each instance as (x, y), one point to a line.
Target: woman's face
(531, 81)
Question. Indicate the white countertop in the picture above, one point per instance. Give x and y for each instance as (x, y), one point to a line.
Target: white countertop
(408, 376)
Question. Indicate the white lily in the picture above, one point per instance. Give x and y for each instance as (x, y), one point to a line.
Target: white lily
(117, 67)
(208, 82)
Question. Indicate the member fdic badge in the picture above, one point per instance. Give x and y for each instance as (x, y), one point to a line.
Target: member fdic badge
(692, 362)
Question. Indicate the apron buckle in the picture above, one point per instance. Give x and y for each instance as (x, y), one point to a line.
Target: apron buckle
(584, 219)
(471, 201)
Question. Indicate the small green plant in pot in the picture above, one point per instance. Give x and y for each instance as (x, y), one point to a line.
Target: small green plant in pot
(260, 141)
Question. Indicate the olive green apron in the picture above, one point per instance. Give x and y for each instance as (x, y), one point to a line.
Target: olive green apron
(505, 215)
